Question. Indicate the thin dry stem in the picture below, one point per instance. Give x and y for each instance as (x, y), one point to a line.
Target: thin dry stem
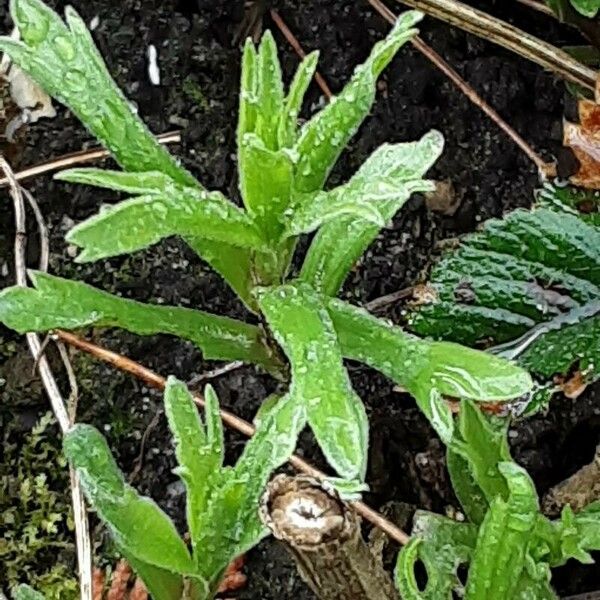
(295, 44)
(546, 170)
(84, 550)
(78, 158)
(495, 30)
(153, 379)
(539, 6)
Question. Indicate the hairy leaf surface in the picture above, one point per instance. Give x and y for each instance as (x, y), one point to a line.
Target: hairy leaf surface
(302, 326)
(391, 174)
(530, 282)
(63, 59)
(61, 303)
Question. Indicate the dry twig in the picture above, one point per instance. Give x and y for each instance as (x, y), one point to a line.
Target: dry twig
(536, 5)
(84, 551)
(546, 170)
(495, 30)
(156, 381)
(78, 158)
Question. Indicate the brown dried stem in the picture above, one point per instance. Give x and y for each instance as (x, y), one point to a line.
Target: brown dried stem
(323, 536)
(84, 548)
(546, 170)
(495, 30)
(156, 381)
(539, 6)
(78, 158)
(295, 44)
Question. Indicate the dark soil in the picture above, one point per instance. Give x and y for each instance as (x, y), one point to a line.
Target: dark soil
(199, 68)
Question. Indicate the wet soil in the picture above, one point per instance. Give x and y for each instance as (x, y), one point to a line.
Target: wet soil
(198, 93)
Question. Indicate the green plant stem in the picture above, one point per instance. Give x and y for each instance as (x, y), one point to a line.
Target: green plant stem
(510, 37)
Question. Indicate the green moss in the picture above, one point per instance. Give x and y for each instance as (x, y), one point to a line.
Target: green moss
(37, 544)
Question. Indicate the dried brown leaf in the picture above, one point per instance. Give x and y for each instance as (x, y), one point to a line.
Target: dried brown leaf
(584, 141)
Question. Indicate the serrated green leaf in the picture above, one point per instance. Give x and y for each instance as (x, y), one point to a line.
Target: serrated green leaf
(26, 592)
(578, 201)
(288, 123)
(335, 413)
(398, 168)
(474, 453)
(530, 282)
(442, 545)
(65, 62)
(142, 221)
(453, 370)
(136, 522)
(61, 303)
(269, 91)
(500, 553)
(324, 137)
(199, 455)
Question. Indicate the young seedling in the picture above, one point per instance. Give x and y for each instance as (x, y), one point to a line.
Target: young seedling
(282, 173)
(508, 545)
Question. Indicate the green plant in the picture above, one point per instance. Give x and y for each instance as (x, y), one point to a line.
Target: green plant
(587, 8)
(529, 283)
(507, 544)
(222, 502)
(36, 543)
(282, 173)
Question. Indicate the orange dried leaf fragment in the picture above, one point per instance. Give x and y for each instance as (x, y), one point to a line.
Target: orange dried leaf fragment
(584, 141)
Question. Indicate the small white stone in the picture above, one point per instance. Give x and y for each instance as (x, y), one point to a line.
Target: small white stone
(153, 70)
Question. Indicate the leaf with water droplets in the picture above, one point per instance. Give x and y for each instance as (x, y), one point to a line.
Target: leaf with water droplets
(302, 326)
(530, 282)
(247, 97)
(265, 183)
(162, 584)
(502, 540)
(145, 183)
(479, 444)
(60, 303)
(442, 545)
(65, 62)
(287, 133)
(323, 138)
(390, 175)
(230, 525)
(417, 364)
(136, 522)
(141, 221)
(199, 451)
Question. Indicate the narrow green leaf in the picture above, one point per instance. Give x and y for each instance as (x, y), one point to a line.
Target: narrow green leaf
(335, 413)
(409, 361)
(499, 557)
(234, 502)
(61, 303)
(233, 263)
(142, 221)
(65, 62)
(136, 522)
(162, 584)
(588, 8)
(288, 124)
(149, 182)
(474, 453)
(198, 459)
(324, 137)
(442, 545)
(391, 174)
(270, 94)
(331, 206)
(214, 426)
(265, 183)
(248, 99)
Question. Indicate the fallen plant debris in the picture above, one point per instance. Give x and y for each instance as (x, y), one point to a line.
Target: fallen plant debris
(584, 140)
